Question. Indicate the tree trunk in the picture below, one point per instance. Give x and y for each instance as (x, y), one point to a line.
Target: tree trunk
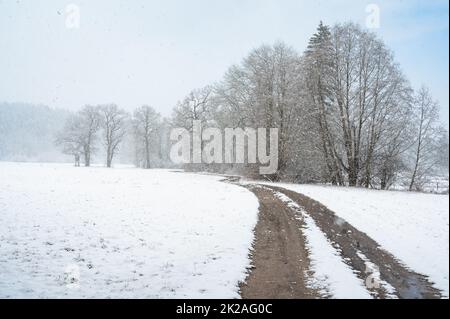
(368, 168)
(87, 158)
(108, 158)
(413, 178)
(384, 179)
(418, 152)
(147, 153)
(352, 176)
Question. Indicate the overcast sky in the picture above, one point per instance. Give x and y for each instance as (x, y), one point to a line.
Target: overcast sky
(154, 52)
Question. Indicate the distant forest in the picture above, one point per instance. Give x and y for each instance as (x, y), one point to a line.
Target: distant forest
(27, 132)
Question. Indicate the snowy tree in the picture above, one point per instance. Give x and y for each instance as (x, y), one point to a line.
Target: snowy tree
(265, 91)
(146, 124)
(113, 122)
(196, 106)
(80, 134)
(71, 139)
(318, 69)
(90, 123)
(425, 143)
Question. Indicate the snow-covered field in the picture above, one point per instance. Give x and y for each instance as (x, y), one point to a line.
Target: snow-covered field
(96, 232)
(69, 232)
(414, 227)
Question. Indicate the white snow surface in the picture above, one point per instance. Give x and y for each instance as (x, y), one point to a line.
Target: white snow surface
(414, 227)
(330, 274)
(69, 232)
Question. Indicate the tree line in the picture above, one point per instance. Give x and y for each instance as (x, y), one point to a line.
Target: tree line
(111, 126)
(345, 113)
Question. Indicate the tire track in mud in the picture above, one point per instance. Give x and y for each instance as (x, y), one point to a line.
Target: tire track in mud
(357, 248)
(277, 226)
(279, 257)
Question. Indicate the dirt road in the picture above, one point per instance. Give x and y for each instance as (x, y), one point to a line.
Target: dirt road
(281, 264)
(279, 256)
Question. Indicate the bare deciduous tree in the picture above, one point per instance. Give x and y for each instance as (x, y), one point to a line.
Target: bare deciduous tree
(70, 138)
(196, 106)
(145, 124)
(90, 119)
(79, 134)
(265, 91)
(113, 122)
(425, 118)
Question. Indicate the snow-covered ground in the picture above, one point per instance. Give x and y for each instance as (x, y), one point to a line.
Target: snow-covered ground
(97, 232)
(125, 232)
(414, 227)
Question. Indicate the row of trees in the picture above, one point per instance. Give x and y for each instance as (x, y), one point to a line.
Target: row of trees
(109, 125)
(346, 114)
